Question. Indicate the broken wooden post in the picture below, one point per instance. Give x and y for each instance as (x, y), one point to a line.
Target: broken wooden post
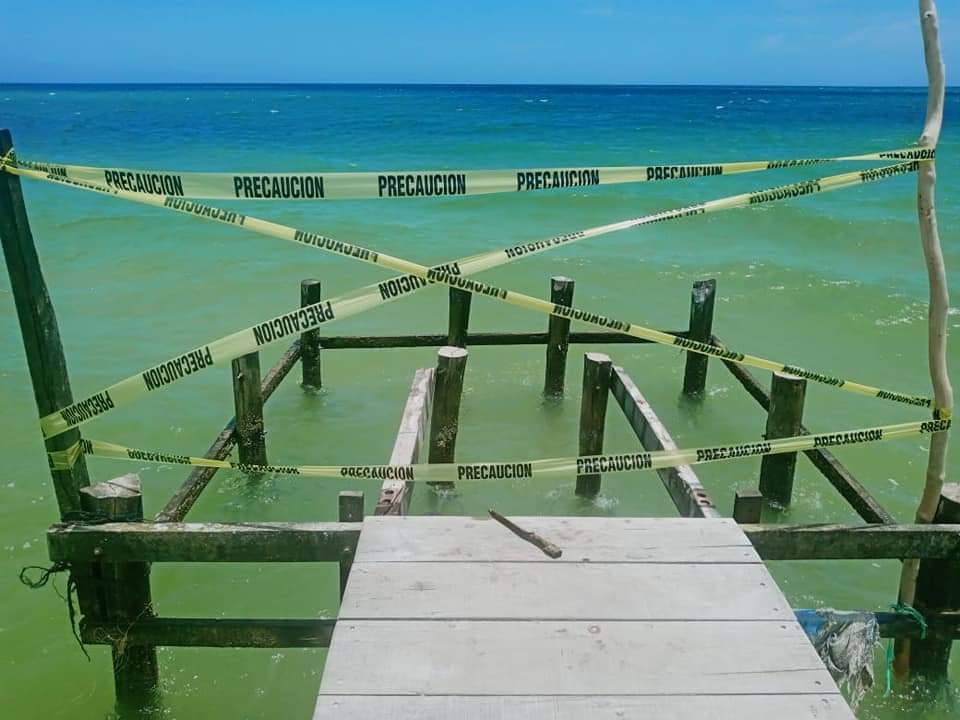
(38, 326)
(248, 404)
(597, 369)
(351, 510)
(701, 329)
(784, 419)
(938, 590)
(459, 317)
(747, 507)
(311, 378)
(122, 594)
(558, 337)
(445, 422)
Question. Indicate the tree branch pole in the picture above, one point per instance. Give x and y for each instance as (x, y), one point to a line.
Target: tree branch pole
(939, 298)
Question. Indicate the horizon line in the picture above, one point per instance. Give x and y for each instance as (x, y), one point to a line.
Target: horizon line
(445, 84)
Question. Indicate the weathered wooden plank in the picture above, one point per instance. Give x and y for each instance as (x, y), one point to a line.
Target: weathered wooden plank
(395, 495)
(189, 492)
(359, 342)
(462, 539)
(748, 506)
(39, 330)
(859, 498)
(350, 506)
(687, 492)
(213, 632)
(571, 707)
(854, 542)
(562, 591)
(572, 658)
(202, 542)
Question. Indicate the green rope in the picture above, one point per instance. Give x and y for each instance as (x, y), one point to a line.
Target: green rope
(917, 616)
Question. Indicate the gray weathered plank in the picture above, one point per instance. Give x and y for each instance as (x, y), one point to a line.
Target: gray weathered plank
(572, 658)
(562, 591)
(595, 707)
(685, 489)
(395, 495)
(461, 539)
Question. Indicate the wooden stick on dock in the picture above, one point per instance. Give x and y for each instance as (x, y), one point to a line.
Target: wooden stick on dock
(547, 547)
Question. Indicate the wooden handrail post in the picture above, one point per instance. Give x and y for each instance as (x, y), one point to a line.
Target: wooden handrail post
(248, 404)
(312, 378)
(701, 329)
(558, 337)
(747, 507)
(350, 505)
(38, 326)
(122, 595)
(445, 421)
(459, 317)
(785, 418)
(597, 370)
(938, 589)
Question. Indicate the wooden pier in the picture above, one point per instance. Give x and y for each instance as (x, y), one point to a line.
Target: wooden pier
(453, 617)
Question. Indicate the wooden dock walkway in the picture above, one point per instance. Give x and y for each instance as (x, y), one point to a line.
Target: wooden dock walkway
(667, 619)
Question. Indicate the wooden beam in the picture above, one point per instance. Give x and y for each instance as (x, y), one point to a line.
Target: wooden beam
(213, 632)
(593, 416)
(38, 327)
(855, 542)
(687, 492)
(362, 342)
(858, 497)
(189, 492)
(350, 508)
(311, 378)
(411, 437)
(459, 317)
(702, 298)
(784, 419)
(445, 418)
(248, 408)
(748, 507)
(938, 590)
(558, 338)
(202, 542)
(123, 590)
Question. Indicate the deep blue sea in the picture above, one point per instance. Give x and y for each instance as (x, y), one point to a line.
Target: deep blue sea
(832, 282)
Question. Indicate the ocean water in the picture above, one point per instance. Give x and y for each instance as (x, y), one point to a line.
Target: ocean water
(834, 282)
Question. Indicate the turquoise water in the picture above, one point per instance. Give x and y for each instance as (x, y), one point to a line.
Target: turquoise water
(833, 282)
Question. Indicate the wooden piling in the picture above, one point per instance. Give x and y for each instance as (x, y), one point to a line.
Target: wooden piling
(248, 404)
(122, 592)
(311, 378)
(445, 421)
(350, 504)
(747, 507)
(597, 370)
(938, 590)
(701, 329)
(784, 419)
(38, 326)
(459, 317)
(558, 338)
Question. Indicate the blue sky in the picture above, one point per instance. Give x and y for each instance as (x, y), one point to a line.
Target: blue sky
(791, 42)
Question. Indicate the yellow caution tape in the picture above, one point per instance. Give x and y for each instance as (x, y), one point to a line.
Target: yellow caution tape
(519, 470)
(418, 276)
(414, 183)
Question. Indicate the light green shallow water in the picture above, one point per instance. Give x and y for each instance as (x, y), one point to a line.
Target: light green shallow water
(832, 283)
